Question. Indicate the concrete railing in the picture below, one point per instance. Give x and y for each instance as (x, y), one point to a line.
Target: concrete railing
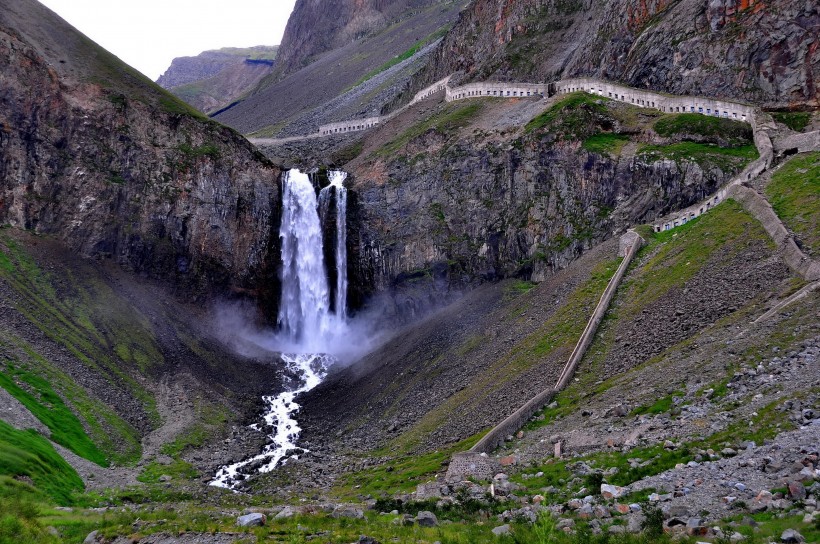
(349, 126)
(630, 244)
(497, 89)
(660, 101)
(760, 208)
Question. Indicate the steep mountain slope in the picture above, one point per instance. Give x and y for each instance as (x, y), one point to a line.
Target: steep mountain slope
(315, 27)
(278, 103)
(214, 79)
(763, 51)
(104, 178)
(113, 165)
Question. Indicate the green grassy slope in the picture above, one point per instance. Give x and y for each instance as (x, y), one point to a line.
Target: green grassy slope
(794, 193)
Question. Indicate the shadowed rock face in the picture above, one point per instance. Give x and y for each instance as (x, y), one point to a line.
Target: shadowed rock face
(117, 168)
(316, 26)
(764, 51)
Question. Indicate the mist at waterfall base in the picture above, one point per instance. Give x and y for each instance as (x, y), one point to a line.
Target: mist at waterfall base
(314, 333)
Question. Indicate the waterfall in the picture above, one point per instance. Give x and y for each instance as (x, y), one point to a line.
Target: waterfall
(337, 188)
(303, 311)
(307, 328)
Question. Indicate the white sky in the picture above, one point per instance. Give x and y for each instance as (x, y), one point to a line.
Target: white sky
(148, 34)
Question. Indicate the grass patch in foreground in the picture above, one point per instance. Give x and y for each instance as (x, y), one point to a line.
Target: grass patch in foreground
(398, 475)
(49, 408)
(794, 193)
(26, 454)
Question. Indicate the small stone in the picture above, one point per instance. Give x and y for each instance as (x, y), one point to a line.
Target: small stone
(616, 529)
(585, 512)
(611, 491)
(286, 512)
(344, 511)
(790, 536)
(728, 452)
(426, 518)
(797, 491)
(91, 538)
(251, 520)
(507, 461)
(367, 540)
(736, 537)
(502, 530)
(622, 508)
(740, 487)
(635, 507)
(565, 523)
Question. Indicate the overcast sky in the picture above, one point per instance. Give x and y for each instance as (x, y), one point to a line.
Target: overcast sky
(148, 34)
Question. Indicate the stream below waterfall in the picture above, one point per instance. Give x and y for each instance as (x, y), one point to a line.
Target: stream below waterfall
(309, 330)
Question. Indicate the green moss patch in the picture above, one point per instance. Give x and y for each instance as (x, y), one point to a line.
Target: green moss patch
(794, 193)
(574, 116)
(36, 394)
(695, 124)
(795, 120)
(27, 455)
(609, 143)
(705, 154)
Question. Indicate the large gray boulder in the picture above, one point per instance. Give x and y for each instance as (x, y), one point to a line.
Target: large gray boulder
(251, 520)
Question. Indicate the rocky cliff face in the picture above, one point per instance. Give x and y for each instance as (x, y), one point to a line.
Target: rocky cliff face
(450, 207)
(214, 79)
(764, 51)
(315, 26)
(110, 164)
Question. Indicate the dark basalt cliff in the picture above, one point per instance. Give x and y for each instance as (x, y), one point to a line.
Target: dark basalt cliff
(215, 79)
(101, 158)
(765, 51)
(316, 26)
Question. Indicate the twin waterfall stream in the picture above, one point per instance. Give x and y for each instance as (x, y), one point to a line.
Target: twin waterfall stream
(310, 322)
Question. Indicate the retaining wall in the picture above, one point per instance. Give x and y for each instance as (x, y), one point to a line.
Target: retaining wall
(760, 208)
(664, 102)
(798, 143)
(629, 246)
(631, 242)
(349, 126)
(498, 89)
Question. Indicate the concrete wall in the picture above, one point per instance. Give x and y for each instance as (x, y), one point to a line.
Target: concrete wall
(497, 89)
(630, 244)
(663, 102)
(349, 126)
(760, 208)
(471, 464)
(798, 143)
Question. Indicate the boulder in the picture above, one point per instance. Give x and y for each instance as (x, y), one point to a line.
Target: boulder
(91, 538)
(797, 490)
(347, 511)
(286, 512)
(790, 536)
(502, 530)
(254, 519)
(612, 491)
(426, 519)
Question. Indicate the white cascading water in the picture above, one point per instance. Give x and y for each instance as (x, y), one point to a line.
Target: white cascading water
(307, 328)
